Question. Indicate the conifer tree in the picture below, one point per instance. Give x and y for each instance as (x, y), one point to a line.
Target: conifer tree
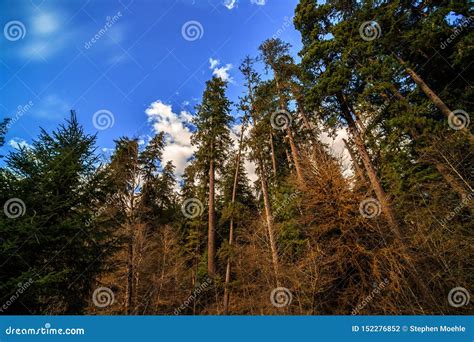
(47, 239)
(212, 139)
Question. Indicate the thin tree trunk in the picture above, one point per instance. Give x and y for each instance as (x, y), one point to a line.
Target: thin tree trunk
(231, 228)
(273, 158)
(371, 173)
(443, 170)
(269, 219)
(130, 270)
(294, 153)
(211, 247)
(266, 201)
(355, 162)
(294, 150)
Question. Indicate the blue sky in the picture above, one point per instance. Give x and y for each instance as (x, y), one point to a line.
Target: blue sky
(142, 64)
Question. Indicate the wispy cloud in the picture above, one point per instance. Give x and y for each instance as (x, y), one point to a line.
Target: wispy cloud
(45, 36)
(52, 107)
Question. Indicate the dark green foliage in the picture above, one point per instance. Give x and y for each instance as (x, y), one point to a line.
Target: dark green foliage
(51, 243)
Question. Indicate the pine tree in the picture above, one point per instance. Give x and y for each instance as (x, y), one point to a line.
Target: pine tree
(212, 139)
(256, 143)
(275, 54)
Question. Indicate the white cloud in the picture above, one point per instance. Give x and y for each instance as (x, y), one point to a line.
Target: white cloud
(249, 166)
(18, 143)
(45, 23)
(258, 2)
(223, 73)
(213, 63)
(230, 4)
(338, 149)
(178, 147)
(46, 36)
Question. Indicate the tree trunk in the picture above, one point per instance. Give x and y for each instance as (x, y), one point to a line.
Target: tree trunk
(269, 219)
(294, 153)
(430, 93)
(371, 173)
(443, 170)
(130, 270)
(211, 238)
(231, 228)
(358, 169)
(452, 181)
(273, 158)
(294, 150)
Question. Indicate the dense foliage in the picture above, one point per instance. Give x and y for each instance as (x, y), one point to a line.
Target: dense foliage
(388, 232)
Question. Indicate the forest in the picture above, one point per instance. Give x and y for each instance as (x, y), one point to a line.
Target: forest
(390, 232)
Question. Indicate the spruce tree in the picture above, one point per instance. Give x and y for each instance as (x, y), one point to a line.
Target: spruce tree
(212, 139)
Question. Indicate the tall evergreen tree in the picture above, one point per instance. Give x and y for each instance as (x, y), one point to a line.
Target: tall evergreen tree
(212, 139)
